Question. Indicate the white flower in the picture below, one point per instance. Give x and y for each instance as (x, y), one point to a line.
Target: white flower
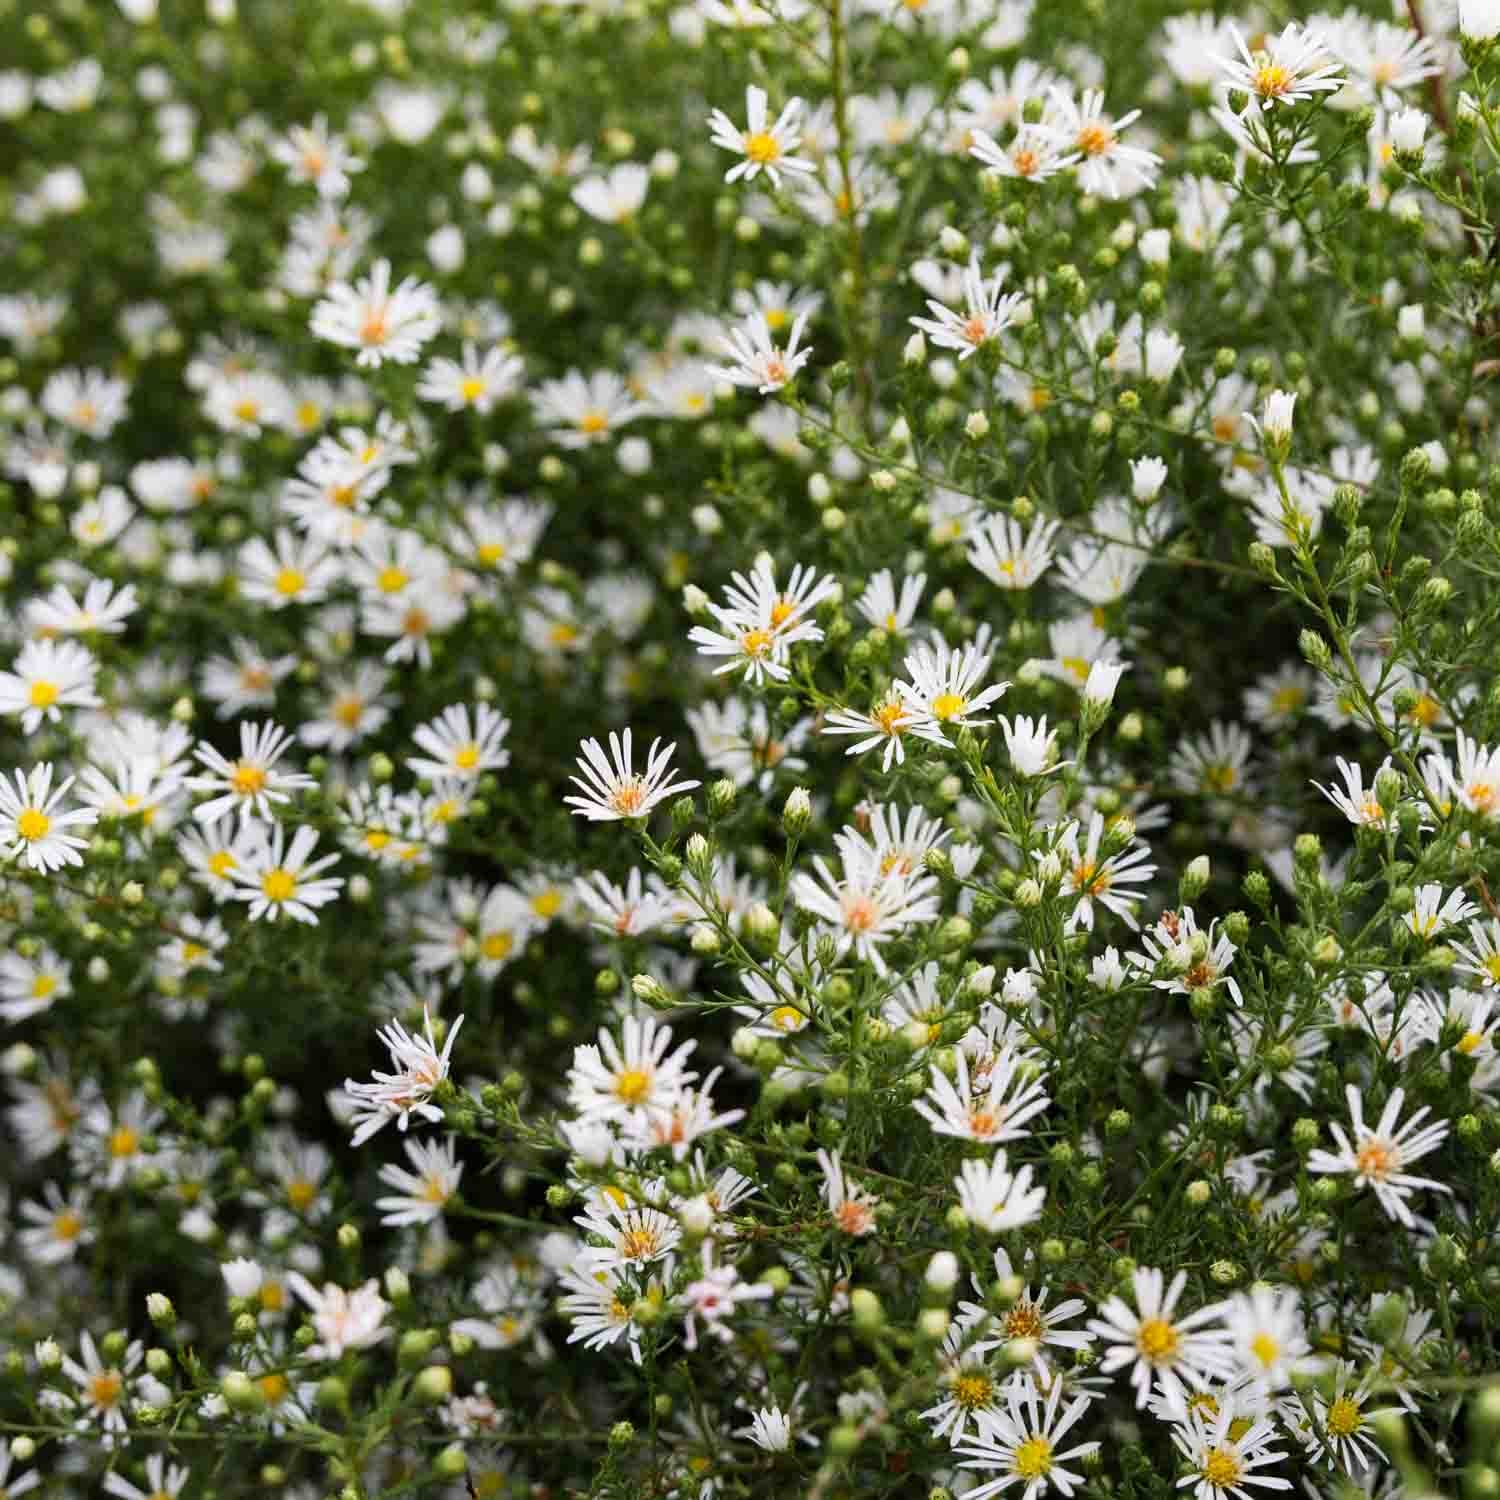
(1479, 20)
(1275, 422)
(1020, 1443)
(713, 1297)
(32, 823)
(343, 1320)
(994, 1198)
(475, 382)
(770, 1428)
(580, 410)
(992, 1109)
(1160, 1348)
(1356, 801)
(163, 1481)
(1477, 784)
(880, 605)
(89, 401)
(1431, 913)
(424, 1192)
(637, 1233)
(944, 690)
(1107, 166)
(862, 908)
(49, 676)
(400, 1095)
(1270, 1344)
(998, 550)
(760, 621)
(1225, 1449)
(616, 1081)
(885, 724)
(852, 1207)
(457, 746)
(1104, 677)
(313, 154)
(1291, 67)
(251, 784)
(613, 790)
(763, 146)
(1408, 131)
(103, 610)
(758, 364)
(275, 879)
(615, 198)
(1147, 475)
(102, 1389)
(988, 311)
(381, 322)
(1378, 1156)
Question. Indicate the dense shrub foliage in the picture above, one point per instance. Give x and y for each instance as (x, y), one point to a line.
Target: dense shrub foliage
(751, 748)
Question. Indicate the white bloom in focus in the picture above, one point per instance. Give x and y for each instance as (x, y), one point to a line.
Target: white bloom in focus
(33, 825)
(380, 321)
(400, 1095)
(343, 1320)
(996, 1199)
(763, 146)
(759, 365)
(276, 879)
(613, 790)
(424, 1192)
(49, 676)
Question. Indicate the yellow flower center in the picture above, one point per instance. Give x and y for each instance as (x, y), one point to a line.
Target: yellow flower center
(274, 1387)
(639, 1244)
(887, 715)
(973, 1389)
(1219, 778)
(755, 642)
(472, 388)
(627, 798)
(1095, 139)
(633, 1085)
(1470, 1042)
(67, 1226)
(392, 580)
(1157, 1340)
(787, 1018)
(374, 329)
(1344, 1417)
(1033, 1457)
(279, 884)
(497, 946)
(220, 863)
(106, 1388)
(593, 422)
(1271, 80)
(33, 823)
(1374, 1159)
(123, 1141)
(290, 581)
(491, 553)
(1222, 1469)
(762, 147)
(272, 1296)
(466, 757)
(247, 779)
(1023, 1321)
(348, 712)
(547, 903)
(301, 1193)
(947, 706)
(43, 694)
(1265, 1348)
(43, 986)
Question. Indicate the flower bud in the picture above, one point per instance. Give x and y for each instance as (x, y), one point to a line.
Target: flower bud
(797, 813)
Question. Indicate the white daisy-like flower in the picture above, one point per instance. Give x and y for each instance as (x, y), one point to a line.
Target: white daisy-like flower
(380, 321)
(1477, 781)
(614, 197)
(861, 908)
(1269, 1342)
(49, 676)
(987, 312)
(1431, 912)
(637, 1234)
(103, 1389)
(1020, 1443)
(582, 410)
(344, 1320)
(1378, 1155)
(994, 1198)
(613, 790)
(457, 745)
(883, 726)
(1033, 154)
(314, 154)
(103, 610)
(852, 1207)
(1354, 799)
(887, 610)
(763, 145)
(999, 550)
(400, 1095)
(616, 1080)
(759, 364)
(1173, 1353)
(1029, 1317)
(34, 825)
(423, 1193)
(276, 879)
(1481, 961)
(1291, 67)
(942, 689)
(992, 1110)
(1106, 165)
(251, 784)
(1225, 1449)
(475, 382)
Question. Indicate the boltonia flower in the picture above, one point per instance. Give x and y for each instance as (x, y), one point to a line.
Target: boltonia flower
(613, 790)
(251, 784)
(942, 689)
(1289, 68)
(1224, 1450)
(991, 1110)
(49, 676)
(617, 1080)
(763, 145)
(1378, 1155)
(380, 321)
(422, 1193)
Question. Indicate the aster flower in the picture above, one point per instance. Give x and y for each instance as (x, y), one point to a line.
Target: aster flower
(1269, 1342)
(994, 1198)
(758, 363)
(884, 609)
(712, 1297)
(613, 790)
(988, 311)
(1477, 781)
(1431, 912)
(343, 1320)
(1029, 1317)
(474, 382)
(580, 410)
(1378, 1155)
(1092, 878)
(49, 676)
(1000, 552)
(1224, 1450)
(636, 1234)
(423, 1193)
(1021, 1443)
(251, 784)
(971, 1389)
(625, 1079)
(942, 689)
(33, 823)
(276, 879)
(886, 723)
(1288, 69)
(861, 908)
(852, 1207)
(457, 745)
(1106, 165)
(397, 1096)
(763, 146)
(993, 1110)
(102, 1389)
(1173, 1353)
(380, 321)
